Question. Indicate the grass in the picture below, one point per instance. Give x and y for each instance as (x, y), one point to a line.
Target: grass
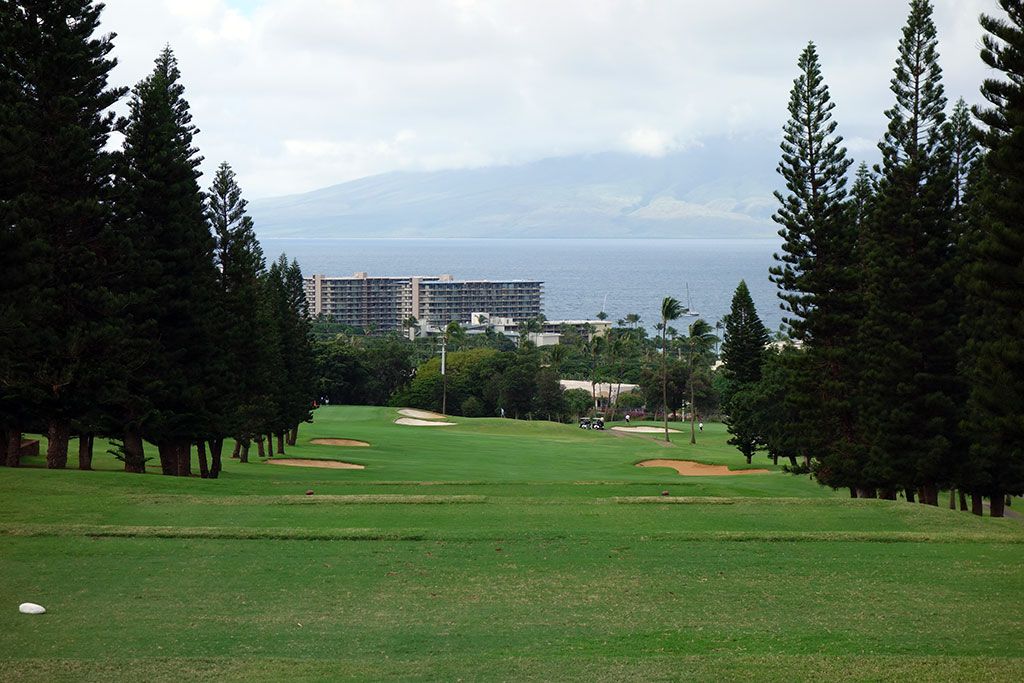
(495, 550)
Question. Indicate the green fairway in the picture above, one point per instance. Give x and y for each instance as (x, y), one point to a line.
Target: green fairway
(495, 549)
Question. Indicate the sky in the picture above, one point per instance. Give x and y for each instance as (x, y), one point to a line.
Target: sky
(302, 94)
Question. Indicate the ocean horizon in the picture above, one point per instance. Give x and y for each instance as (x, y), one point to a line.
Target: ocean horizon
(581, 276)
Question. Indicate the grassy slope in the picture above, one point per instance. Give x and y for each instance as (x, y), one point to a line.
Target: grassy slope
(536, 551)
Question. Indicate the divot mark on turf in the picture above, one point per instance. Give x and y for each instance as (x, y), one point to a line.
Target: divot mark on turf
(326, 464)
(340, 442)
(415, 422)
(688, 468)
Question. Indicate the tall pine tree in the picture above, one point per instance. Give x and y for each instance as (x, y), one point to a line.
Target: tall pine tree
(169, 271)
(908, 338)
(995, 276)
(59, 66)
(819, 289)
(743, 355)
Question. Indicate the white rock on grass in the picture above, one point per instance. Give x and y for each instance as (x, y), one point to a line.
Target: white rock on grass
(31, 608)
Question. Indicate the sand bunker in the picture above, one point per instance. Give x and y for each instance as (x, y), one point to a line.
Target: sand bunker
(688, 468)
(413, 422)
(421, 414)
(327, 464)
(339, 442)
(645, 430)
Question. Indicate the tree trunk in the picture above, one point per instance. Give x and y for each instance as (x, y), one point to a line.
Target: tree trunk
(792, 461)
(693, 411)
(280, 443)
(216, 448)
(807, 461)
(866, 492)
(293, 435)
(259, 446)
(204, 470)
(184, 459)
(134, 455)
(85, 442)
(997, 501)
(3, 447)
(13, 447)
(775, 459)
(963, 500)
(930, 494)
(952, 499)
(237, 449)
(57, 449)
(168, 458)
(853, 492)
(910, 495)
(977, 504)
(243, 453)
(887, 494)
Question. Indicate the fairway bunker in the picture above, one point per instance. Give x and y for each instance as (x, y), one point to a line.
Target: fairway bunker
(413, 422)
(644, 430)
(688, 468)
(347, 443)
(326, 464)
(421, 414)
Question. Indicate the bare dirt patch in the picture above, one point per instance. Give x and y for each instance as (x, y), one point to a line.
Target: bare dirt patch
(688, 468)
(340, 442)
(326, 464)
(421, 414)
(413, 422)
(645, 430)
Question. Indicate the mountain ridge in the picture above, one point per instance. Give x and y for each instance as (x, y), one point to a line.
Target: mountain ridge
(722, 188)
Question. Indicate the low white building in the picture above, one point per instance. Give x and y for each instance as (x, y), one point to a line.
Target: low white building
(604, 393)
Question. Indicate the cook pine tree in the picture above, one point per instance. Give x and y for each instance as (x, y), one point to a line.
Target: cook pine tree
(818, 288)
(908, 352)
(170, 273)
(994, 464)
(57, 122)
(744, 346)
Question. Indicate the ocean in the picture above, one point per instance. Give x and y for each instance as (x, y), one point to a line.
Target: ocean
(581, 277)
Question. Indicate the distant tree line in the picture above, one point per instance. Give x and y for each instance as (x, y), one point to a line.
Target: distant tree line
(904, 291)
(132, 304)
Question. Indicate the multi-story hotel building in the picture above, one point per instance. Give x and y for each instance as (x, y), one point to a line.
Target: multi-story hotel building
(385, 303)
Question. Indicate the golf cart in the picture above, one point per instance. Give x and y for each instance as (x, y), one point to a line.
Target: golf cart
(592, 423)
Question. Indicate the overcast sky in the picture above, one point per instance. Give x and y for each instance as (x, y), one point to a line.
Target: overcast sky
(301, 94)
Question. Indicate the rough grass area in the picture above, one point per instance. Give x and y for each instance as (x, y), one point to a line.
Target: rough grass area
(498, 550)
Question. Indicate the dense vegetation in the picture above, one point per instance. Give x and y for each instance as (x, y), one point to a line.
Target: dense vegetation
(903, 294)
(132, 304)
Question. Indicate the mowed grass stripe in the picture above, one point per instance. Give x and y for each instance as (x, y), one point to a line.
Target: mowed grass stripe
(370, 534)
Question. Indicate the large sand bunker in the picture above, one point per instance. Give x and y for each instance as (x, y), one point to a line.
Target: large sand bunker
(326, 464)
(413, 422)
(421, 414)
(645, 430)
(688, 468)
(339, 442)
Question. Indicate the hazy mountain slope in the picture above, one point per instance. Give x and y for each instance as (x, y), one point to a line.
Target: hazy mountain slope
(722, 189)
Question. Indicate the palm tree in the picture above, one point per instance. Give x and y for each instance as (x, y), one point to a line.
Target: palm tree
(671, 309)
(699, 342)
(601, 315)
(633, 320)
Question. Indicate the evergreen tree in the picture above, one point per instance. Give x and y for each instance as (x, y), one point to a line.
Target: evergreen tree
(908, 336)
(744, 341)
(58, 214)
(743, 353)
(962, 145)
(169, 271)
(861, 195)
(995, 277)
(244, 394)
(817, 285)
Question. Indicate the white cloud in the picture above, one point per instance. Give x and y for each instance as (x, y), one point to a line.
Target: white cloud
(299, 94)
(649, 141)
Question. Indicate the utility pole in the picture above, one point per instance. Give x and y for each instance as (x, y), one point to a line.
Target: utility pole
(444, 375)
